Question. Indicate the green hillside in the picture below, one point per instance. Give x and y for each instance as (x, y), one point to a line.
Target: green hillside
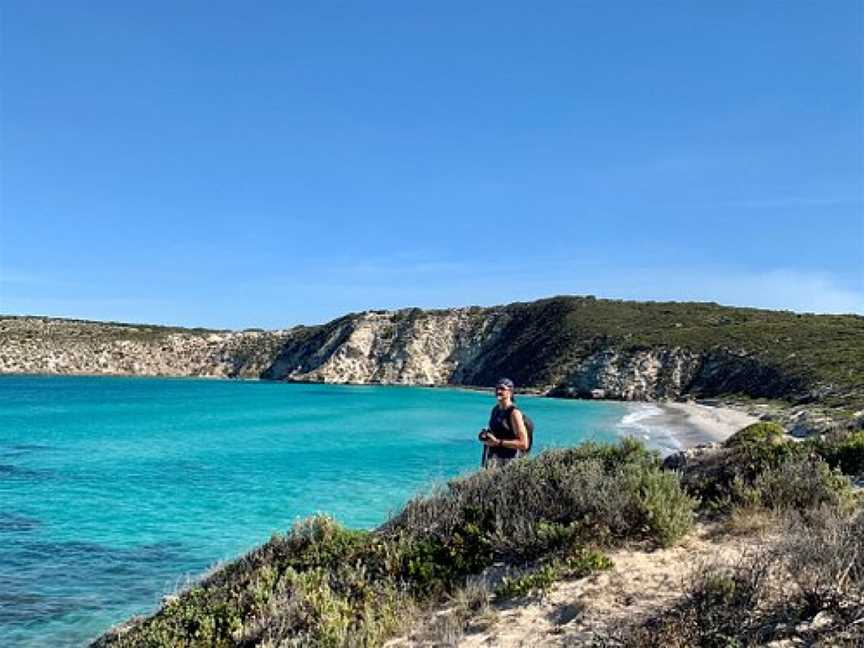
(812, 357)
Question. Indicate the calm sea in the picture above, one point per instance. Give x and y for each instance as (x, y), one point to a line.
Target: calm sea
(115, 491)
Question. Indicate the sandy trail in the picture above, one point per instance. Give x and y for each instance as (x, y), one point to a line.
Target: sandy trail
(639, 583)
(574, 612)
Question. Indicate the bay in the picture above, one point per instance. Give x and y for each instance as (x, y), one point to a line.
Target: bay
(115, 490)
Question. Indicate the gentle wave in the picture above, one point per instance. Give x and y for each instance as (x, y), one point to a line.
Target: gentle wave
(647, 421)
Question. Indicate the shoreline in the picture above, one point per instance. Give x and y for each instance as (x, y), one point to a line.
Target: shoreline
(670, 427)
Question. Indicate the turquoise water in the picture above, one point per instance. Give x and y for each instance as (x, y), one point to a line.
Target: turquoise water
(115, 491)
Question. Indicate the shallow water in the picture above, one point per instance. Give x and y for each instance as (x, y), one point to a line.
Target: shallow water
(114, 491)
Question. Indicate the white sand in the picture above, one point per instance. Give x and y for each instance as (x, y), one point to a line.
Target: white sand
(675, 426)
(711, 423)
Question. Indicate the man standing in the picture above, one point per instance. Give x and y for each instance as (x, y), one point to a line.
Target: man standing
(507, 435)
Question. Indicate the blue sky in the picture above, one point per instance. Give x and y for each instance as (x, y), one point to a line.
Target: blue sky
(266, 164)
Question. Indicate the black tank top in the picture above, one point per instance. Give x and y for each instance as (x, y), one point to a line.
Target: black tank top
(499, 424)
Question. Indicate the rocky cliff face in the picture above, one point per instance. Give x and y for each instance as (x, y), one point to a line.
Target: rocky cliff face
(51, 346)
(463, 346)
(404, 347)
(639, 375)
(672, 373)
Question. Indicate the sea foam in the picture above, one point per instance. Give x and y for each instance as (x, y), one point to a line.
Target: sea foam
(646, 421)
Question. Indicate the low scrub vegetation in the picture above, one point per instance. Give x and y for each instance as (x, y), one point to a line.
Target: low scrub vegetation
(762, 433)
(592, 493)
(323, 585)
(842, 449)
(759, 467)
(538, 580)
(807, 588)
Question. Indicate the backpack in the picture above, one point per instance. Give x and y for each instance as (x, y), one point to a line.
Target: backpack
(529, 428)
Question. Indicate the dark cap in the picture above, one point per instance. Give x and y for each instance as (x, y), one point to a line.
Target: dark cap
(506, 383)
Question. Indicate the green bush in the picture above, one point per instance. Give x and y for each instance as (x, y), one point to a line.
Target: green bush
(666, 509)
(597, 493)
(849, 455)
(760, 467)
(320, 585)
(531, 508)
(782, 476)
(843, 450)
(540, 579)
(803, 484)
(724, 479)
(435, 565)
(762, 433)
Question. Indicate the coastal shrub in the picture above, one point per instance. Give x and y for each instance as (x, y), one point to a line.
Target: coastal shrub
(330, 609)
(540, 579)
(321, 585)
(724, 479)
(320, 541)
(843, 450)
(761, 433)
(666, 510)
(807, 589)
(473, 599)
(786, 477)
(747, 460)
(803, 484)
(824, 558)
(467, 608)
(593, 493)
(435, 565)
(849, 454)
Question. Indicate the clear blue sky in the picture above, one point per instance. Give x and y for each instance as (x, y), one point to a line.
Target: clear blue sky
(272, 163)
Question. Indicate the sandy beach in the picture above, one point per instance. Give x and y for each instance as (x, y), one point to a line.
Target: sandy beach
(677, 426)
